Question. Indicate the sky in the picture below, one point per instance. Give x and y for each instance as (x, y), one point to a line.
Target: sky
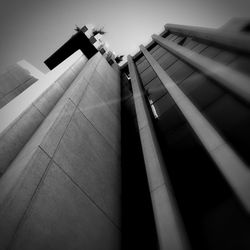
(34, 29)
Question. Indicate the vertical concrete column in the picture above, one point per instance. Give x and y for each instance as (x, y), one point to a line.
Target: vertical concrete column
(169, 226)
(225, 39)
(233, 80)
(235, 171)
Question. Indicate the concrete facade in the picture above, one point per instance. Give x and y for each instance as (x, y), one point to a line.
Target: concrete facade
(151, 155)
(13, 82)
(191, 96)
(61, 189)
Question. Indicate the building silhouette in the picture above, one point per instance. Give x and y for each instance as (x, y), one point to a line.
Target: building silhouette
(152, 154)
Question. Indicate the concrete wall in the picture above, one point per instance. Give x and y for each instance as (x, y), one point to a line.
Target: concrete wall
(13, 82)
(21, 117)
(62, 191)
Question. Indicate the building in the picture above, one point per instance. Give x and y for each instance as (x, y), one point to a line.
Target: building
(15, 80)
(153, 154)
(190, 88)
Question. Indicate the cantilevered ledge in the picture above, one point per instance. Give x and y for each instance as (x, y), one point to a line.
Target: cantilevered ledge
(229, 163)
(235, 41)
(234, 81)
(169, 227)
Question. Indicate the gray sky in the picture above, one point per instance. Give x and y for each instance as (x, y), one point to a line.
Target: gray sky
(34, 29)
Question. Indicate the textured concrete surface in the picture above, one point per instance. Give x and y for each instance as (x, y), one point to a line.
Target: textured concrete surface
(88, 159)
(63, 217)
(106, 93)
(62, 190)
(99, 114)
(12, 82)
(48, 100)
(12, 141)
(23, 184)
(66, 79)
(56, 130)
(14, 137)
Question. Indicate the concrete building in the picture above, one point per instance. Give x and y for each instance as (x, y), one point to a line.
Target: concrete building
(191, 90)
(15, 80)
(152, 155)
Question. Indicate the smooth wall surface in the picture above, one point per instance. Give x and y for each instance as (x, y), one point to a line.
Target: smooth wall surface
(66, 192)
(13, 82)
